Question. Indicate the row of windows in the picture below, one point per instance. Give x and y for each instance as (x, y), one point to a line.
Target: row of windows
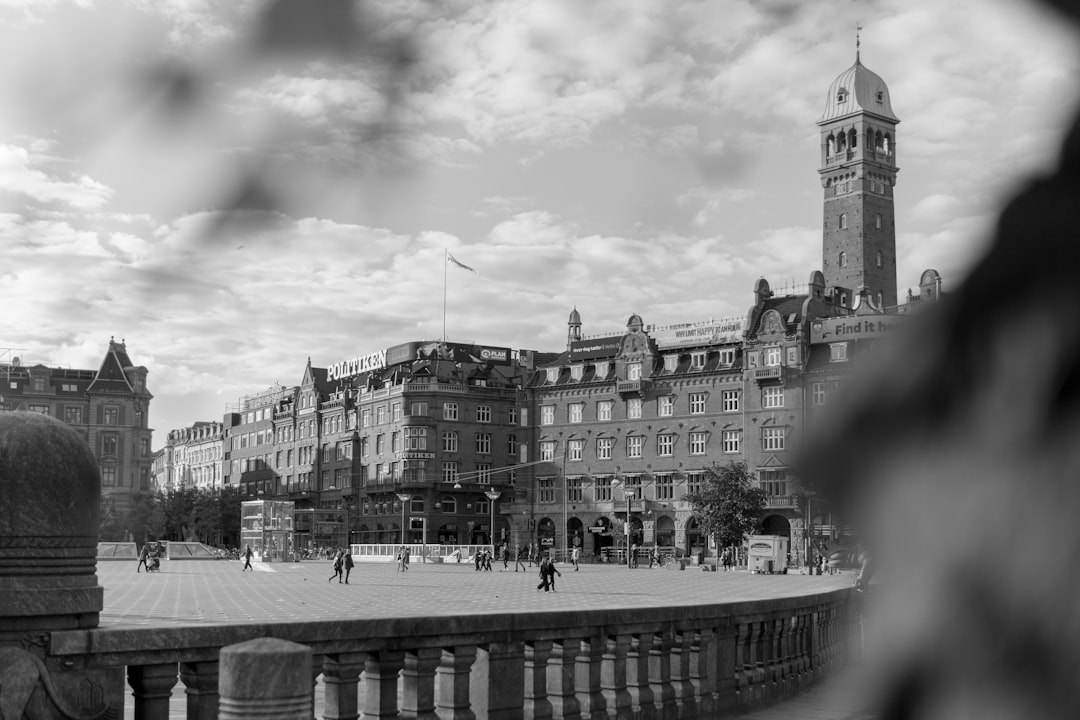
(664, 486)
(772, 438)
(665, 407)
(842, 224)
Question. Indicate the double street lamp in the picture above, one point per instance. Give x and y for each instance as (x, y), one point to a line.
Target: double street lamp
(629, 495)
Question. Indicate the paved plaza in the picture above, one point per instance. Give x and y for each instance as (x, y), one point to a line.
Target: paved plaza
(217, 591)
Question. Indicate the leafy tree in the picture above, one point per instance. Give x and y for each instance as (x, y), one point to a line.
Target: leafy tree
(111, 526)
(729, 506)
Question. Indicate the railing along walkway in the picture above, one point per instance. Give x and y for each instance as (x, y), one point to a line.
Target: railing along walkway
(659, 662)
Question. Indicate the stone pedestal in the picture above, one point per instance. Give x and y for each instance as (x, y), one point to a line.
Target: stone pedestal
(49, 497)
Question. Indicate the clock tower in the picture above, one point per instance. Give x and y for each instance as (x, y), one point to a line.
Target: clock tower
(858, 172)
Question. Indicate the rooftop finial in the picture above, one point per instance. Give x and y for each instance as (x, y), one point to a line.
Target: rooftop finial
(858, 29)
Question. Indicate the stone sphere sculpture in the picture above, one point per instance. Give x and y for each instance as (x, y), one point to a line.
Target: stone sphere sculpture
(49, 497)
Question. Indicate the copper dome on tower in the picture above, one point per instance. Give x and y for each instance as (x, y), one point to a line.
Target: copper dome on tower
(856, 90)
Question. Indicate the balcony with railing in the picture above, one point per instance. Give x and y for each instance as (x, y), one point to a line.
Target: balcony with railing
(637, 387)
(773, 372)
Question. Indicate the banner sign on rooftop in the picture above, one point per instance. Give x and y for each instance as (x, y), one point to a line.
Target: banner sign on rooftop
(698, 334)
(855, 327)
(596, 348)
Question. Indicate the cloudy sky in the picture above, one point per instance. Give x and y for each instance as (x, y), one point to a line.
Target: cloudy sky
(235, 186)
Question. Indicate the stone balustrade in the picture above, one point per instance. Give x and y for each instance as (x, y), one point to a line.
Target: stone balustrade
(657, 662)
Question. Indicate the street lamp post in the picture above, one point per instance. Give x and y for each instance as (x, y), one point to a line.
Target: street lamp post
(492, 496)
(404, 498)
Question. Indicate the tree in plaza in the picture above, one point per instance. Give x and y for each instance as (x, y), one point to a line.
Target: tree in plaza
(111, 526)
(229, 501)
(729, 505)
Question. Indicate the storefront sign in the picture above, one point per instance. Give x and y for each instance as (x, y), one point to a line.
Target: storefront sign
(414, 455)
(857, 327)
(598, 348)
(357, 365)
(698, 334)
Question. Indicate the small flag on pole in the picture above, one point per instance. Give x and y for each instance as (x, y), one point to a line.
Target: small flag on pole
(454, 261)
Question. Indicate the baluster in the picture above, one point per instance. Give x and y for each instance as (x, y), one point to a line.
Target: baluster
(757, 660)
(201, 687)
(725, 663)
(774, 676)
(660, 662)
(787, 670)
(814, 638)
(588, 671)
(536, 703)
(561, 669)
(743, 678)
(316, 671)
(341, 674)
(381, 670)
(453, 681)
(418, 683)
(681, 687)
(703, 674)
(497, 682)
(613, 675)
(265, 678)
(802, 649)
(637, 676)
(151, 686)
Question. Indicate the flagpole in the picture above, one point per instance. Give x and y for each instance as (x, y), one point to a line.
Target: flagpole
(445, 262)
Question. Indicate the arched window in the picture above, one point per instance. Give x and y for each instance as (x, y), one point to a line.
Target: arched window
(853, 139)
(843, 259)
(879, 296)
(830, 145)
(879, 258)
(449, 504)
(886, 144)
(877, 224)
(843, 221)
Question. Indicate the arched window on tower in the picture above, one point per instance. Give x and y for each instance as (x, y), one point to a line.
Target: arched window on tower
(830, 145)
(877, 224)
(843, 259)
(879, 300)
(879, 258)
(886, 144)
(853, 139)
(843, 221)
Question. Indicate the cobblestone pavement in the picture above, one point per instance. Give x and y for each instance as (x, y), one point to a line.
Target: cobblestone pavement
(217, 591)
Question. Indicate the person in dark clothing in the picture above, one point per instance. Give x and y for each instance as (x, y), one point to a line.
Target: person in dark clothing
(520, 557)
(348, 563)
(478, 559)
(548, 572)
(142, 558)
(506, 556)
(247, 559)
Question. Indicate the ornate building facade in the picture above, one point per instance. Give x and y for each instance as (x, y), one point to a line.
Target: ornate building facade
(109, 407)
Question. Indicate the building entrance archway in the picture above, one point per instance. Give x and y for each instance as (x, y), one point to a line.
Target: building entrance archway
(695, 539)
(575, 530)
(545, 534)
(776, 525)
(665, 532)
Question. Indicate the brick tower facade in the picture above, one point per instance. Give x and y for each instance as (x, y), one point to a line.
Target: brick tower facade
(858, 172)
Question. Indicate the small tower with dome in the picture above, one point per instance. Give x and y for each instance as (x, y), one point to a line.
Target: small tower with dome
(858, 172)
(573, 332)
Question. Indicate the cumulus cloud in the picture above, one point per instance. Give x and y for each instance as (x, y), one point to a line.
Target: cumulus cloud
(21, 174)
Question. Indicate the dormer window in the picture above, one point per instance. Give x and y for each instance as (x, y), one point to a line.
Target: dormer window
(841, 95)
(602, 369)
(880, 97)
(577, 371)
(671, 363)
(633, 371)
(697, 360)
(552, 374)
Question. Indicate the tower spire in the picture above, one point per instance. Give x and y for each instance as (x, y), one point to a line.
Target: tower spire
(858, 29)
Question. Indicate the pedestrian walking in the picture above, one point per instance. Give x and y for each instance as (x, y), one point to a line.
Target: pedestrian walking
(348, 565)
(548, 571)
(575, 556)
(506, 556)
(520, 555)
(478, 559)
(408, 554)
(633, 555)
(143, 554)
(534, 555)
(725, 559)
(338, 562)
(654, 557)
(247, 559)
